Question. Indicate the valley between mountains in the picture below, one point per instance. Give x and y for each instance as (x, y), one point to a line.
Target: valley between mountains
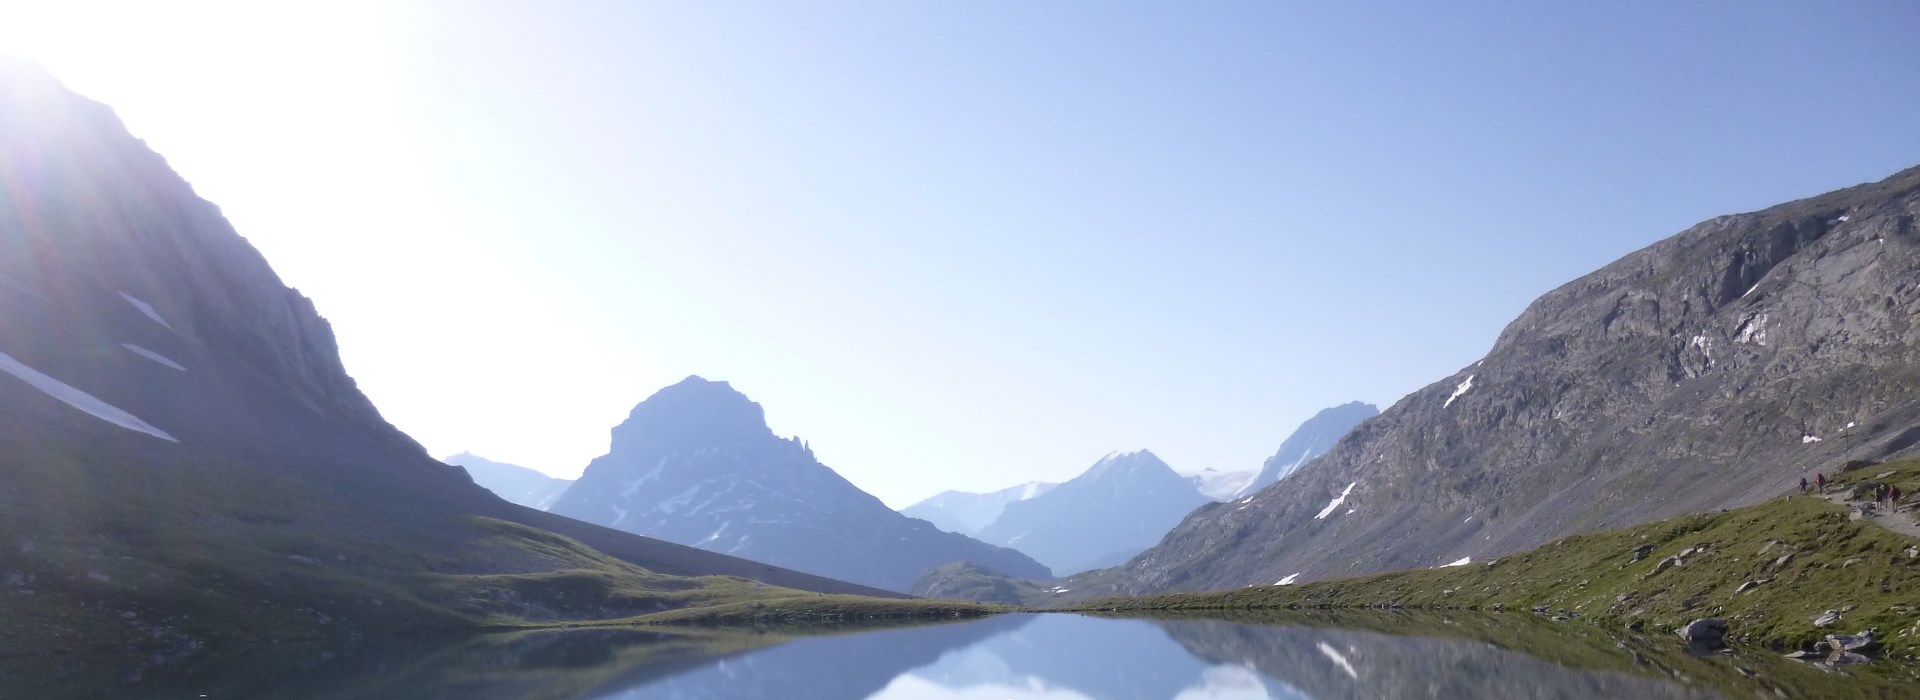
(188, 464)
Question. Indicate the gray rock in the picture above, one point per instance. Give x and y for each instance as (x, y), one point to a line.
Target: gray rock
(1782, 562)
(1864, 641)
(1750, 585)
(1804, 655)
(1706, 632)
(1827, 619)
(1665, 564)
(1692, 368)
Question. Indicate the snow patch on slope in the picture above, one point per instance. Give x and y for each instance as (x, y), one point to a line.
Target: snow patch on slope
(79, 399)
(1337, 500)
(1458, 390)
(146, 308)
(151, 355)
(1462, 561)
(1288, 581)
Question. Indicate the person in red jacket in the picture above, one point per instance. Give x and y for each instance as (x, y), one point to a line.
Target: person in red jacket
(1821, 479)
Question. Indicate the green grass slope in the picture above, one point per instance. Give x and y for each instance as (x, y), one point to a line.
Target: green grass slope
(95, 556)
(1811, 554)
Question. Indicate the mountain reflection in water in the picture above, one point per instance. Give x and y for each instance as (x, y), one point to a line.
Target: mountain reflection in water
(1014, 657)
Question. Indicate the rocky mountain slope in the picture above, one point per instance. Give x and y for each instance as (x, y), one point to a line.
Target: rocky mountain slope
(1219, 485)
(513, 482)
(1312, 439)
(186, 460)
(1709, 370)
(966, 513)
(696, 464)
(1115, 509)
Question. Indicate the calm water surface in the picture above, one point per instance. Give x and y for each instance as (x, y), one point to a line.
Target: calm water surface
(1024, 657)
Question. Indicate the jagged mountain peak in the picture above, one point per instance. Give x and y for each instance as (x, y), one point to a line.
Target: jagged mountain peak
(696, 464)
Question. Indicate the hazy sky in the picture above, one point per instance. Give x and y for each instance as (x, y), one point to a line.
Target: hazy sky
(966, 245)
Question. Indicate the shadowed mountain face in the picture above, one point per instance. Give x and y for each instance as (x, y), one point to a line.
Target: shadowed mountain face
(185, 456)
(513, 482)
(1709, 370)
(966, 513)
(696, 464)
(1122, 505)
(1312, 439)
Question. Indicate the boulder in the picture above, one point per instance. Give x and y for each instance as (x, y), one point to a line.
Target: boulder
(1827, 619)
(1863, 642)
(1705, 633)
(1665, 564)
(1750, 585)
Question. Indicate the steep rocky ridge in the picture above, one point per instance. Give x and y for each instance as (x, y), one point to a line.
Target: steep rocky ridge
(1313, 438)
(696, 464)
(187, 460)
(1116, 508)
(1708, 370)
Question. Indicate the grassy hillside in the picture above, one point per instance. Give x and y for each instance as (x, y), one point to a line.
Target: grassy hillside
(100, 556)
(1809, 553)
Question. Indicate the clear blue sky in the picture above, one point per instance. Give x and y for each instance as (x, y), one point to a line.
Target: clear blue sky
(965, 245)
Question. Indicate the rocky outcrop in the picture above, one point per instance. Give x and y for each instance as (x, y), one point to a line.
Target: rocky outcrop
(1708, 370)
(696, 464)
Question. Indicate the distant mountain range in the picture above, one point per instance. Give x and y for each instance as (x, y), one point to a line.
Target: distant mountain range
(515, 483)
(696, 464)
(967, 513)
(1312, 439)
(1711, 369)
(1118, 507)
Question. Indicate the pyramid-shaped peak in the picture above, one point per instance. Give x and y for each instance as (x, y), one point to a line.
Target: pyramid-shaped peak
(1128, 462)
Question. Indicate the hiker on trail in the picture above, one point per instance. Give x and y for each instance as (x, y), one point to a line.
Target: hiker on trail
(1803, 484)
(1893, 496)
(1821, 479)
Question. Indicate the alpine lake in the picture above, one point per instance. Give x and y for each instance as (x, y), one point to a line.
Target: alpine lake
(1284, 656)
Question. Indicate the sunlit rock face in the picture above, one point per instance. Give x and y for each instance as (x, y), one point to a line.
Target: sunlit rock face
(696, 464)
(1708, 370)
